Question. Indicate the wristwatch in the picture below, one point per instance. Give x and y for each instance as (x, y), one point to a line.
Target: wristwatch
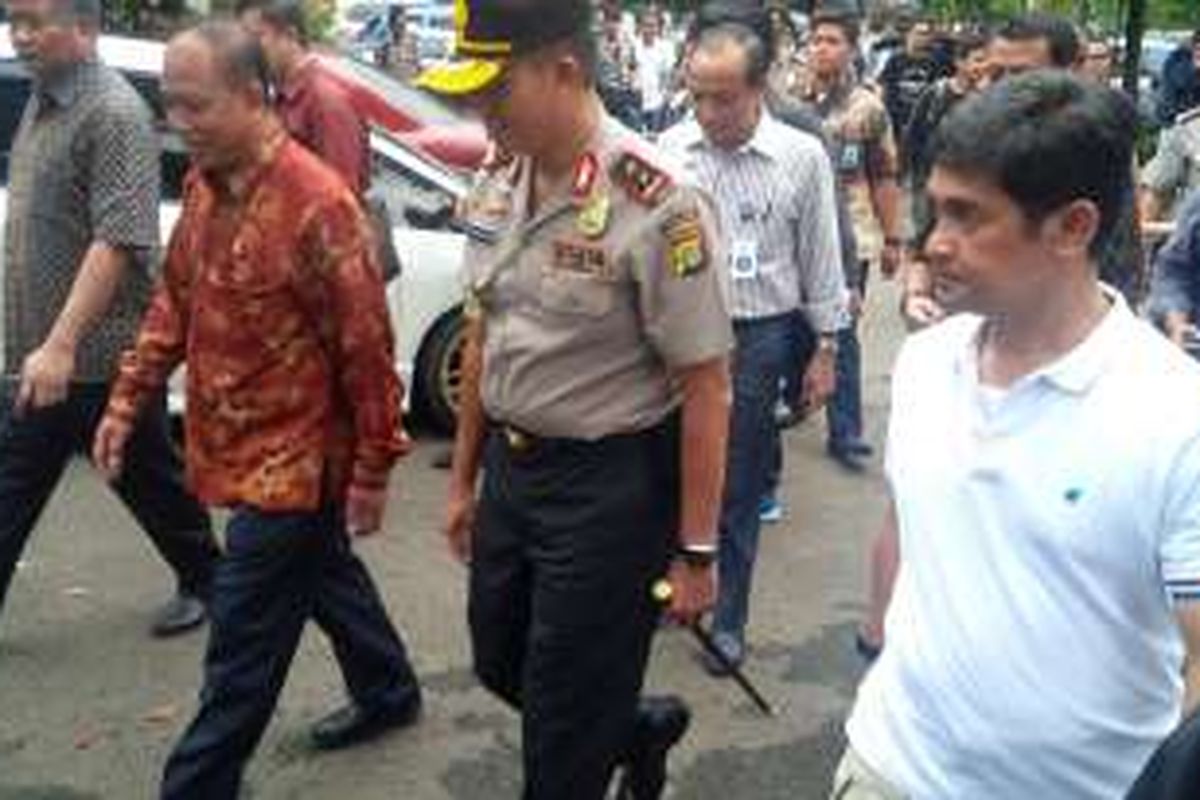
(701, 556)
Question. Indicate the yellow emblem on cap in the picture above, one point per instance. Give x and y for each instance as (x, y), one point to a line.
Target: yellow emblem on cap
(476, 63)
(474, 47)
(460, 77)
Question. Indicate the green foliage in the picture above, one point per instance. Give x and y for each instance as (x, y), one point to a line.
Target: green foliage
(321, 19)
(1181, 14)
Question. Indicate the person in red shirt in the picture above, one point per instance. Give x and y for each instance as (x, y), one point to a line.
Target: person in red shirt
(271, 295)
(313, 106)
(317, 110)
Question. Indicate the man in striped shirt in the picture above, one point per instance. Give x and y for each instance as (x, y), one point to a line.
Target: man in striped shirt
(774, 191)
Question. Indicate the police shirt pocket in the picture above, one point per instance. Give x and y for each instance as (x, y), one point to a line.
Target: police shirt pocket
(572, 293)
(579, 280)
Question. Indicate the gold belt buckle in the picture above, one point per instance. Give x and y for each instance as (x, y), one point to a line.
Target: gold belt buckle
(518, 441)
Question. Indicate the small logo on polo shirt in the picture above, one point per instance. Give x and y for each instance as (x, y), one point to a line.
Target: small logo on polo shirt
(1073, 495)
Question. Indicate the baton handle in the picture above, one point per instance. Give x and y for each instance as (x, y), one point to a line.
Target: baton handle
(662, 592)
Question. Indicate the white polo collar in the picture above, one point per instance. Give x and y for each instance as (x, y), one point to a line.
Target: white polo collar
(1077, 370)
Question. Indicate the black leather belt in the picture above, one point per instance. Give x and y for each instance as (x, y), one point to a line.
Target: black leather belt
(520, 442)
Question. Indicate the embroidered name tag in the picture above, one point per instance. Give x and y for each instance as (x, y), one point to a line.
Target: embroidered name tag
(581, 259)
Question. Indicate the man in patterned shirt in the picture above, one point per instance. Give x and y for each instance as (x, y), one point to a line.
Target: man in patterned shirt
(272, 295)
(81, 239)
(866, 162)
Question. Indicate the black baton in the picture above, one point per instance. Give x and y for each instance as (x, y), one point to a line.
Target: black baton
(662, 593)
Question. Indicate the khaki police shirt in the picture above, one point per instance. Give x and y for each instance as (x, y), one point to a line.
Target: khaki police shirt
(589, 303)
(1175, 168)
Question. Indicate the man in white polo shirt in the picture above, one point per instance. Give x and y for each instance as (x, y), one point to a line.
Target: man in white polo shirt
(1044, 464)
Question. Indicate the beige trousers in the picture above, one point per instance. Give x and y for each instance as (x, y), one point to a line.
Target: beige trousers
(854, 780)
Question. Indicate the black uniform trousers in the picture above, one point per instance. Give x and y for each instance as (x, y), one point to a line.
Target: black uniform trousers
(36, 447)
(280, 570)
(570, 539)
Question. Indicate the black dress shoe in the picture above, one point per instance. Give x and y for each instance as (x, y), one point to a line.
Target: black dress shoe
(847, 458)
(858, 447)
(352, 724)
(661, 723)
(867, 650)
(182, 613)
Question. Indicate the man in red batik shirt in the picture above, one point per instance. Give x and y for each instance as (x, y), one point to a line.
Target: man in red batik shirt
(270, 294)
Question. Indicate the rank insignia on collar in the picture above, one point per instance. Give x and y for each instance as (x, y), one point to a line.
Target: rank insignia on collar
(686, 251)
(586, 169)
(644, 182)
(592, 221)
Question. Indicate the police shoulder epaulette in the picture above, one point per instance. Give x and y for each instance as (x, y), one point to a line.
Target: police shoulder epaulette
(1188, 116)
(644, 182)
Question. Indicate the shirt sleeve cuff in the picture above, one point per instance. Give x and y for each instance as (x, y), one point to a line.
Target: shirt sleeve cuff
(371, 469)
(125, 399)
(1183, 590)
(829, 316)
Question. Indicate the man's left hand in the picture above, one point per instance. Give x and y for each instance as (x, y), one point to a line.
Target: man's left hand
(854, 303)
(45, 377)
(364, 510)
(819, 380)
(693, 591)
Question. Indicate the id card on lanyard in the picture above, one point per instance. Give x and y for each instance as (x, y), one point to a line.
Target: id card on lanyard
(743, 259)
(744, 256)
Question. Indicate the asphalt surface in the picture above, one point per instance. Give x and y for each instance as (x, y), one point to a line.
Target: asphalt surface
(90, 705)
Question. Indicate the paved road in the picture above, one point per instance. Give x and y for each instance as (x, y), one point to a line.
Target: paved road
(89, 705)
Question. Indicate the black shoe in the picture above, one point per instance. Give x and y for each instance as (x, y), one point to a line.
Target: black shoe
(867, 650)
(858, 447)
(846, 457)
(731, 648)
(352, 724)
(661, 723)
(182, 613)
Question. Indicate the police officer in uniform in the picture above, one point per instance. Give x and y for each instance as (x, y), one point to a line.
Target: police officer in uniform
(1175, 169)
(595, 397)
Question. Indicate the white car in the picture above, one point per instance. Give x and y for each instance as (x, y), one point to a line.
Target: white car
(424, 301)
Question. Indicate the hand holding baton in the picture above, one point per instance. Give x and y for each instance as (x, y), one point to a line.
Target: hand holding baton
(662, 592)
